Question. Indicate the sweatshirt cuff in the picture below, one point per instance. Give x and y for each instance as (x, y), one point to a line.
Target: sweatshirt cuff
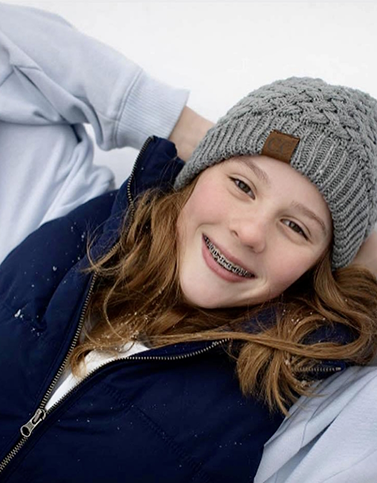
(150, 108)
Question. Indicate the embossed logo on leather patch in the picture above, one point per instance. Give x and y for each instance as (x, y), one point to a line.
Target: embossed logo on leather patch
(280, 146)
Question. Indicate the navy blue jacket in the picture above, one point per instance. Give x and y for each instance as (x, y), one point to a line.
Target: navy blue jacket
(166, 415)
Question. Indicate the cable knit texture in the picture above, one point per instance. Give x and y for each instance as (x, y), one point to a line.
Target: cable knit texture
(337, 127)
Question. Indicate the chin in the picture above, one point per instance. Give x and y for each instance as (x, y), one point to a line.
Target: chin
(205, 300)
(199, 295)
(201, 302)
(201, 298)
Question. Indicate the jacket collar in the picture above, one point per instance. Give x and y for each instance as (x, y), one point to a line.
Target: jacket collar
(156, 166)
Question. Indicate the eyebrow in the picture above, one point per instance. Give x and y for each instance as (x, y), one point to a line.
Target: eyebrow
(259, 173)
(310, 214)
(263, 177)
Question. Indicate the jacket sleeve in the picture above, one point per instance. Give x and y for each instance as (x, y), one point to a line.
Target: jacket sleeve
(50, 73)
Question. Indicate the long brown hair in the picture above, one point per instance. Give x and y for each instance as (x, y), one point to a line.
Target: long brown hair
(137, 296)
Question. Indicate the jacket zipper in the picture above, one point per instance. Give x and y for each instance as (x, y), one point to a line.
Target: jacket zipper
(41, 413)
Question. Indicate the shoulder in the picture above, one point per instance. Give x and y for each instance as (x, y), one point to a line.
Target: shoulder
(36, 266)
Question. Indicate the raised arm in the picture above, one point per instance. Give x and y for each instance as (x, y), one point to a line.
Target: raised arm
(50, 73)
(188, 131)
(53, 79)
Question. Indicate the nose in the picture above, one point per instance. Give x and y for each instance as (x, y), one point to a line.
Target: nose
(251, 232)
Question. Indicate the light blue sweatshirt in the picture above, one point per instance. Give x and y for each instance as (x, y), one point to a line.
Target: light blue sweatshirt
(329, 438)
(53, 79)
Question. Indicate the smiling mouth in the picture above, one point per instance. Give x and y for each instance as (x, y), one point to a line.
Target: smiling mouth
(224, 262)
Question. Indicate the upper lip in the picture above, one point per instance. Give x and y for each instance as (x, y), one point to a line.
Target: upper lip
(230, 257)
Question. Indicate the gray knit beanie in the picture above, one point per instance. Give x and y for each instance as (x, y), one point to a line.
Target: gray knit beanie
(327, 133)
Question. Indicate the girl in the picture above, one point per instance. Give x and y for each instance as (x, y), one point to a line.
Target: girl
(159, 333)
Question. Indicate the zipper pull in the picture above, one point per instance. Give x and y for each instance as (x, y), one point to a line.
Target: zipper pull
(29, 427)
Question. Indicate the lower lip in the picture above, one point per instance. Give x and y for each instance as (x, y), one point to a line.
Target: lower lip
(217, 269)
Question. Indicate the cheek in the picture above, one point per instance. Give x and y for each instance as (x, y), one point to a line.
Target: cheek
(185, 219)
(287, 271)
(187, 222)
(203, 206)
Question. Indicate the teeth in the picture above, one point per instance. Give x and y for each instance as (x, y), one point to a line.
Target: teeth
(224, 262)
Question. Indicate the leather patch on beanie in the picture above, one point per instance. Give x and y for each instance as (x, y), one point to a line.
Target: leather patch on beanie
(280, 146)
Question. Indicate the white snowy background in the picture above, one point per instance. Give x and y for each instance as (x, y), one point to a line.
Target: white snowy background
(223, 50)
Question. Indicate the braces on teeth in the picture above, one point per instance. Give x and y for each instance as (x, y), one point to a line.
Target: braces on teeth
(225, 263)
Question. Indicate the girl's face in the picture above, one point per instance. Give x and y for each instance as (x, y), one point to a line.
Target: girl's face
(251, 227)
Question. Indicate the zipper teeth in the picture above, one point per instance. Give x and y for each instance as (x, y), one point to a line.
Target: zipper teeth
(133, 358)
(12, 454)
(320, 369)
(129, 194)
(46, 397)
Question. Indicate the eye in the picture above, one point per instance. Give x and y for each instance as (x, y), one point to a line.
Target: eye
(295, 227)
(244, 187)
